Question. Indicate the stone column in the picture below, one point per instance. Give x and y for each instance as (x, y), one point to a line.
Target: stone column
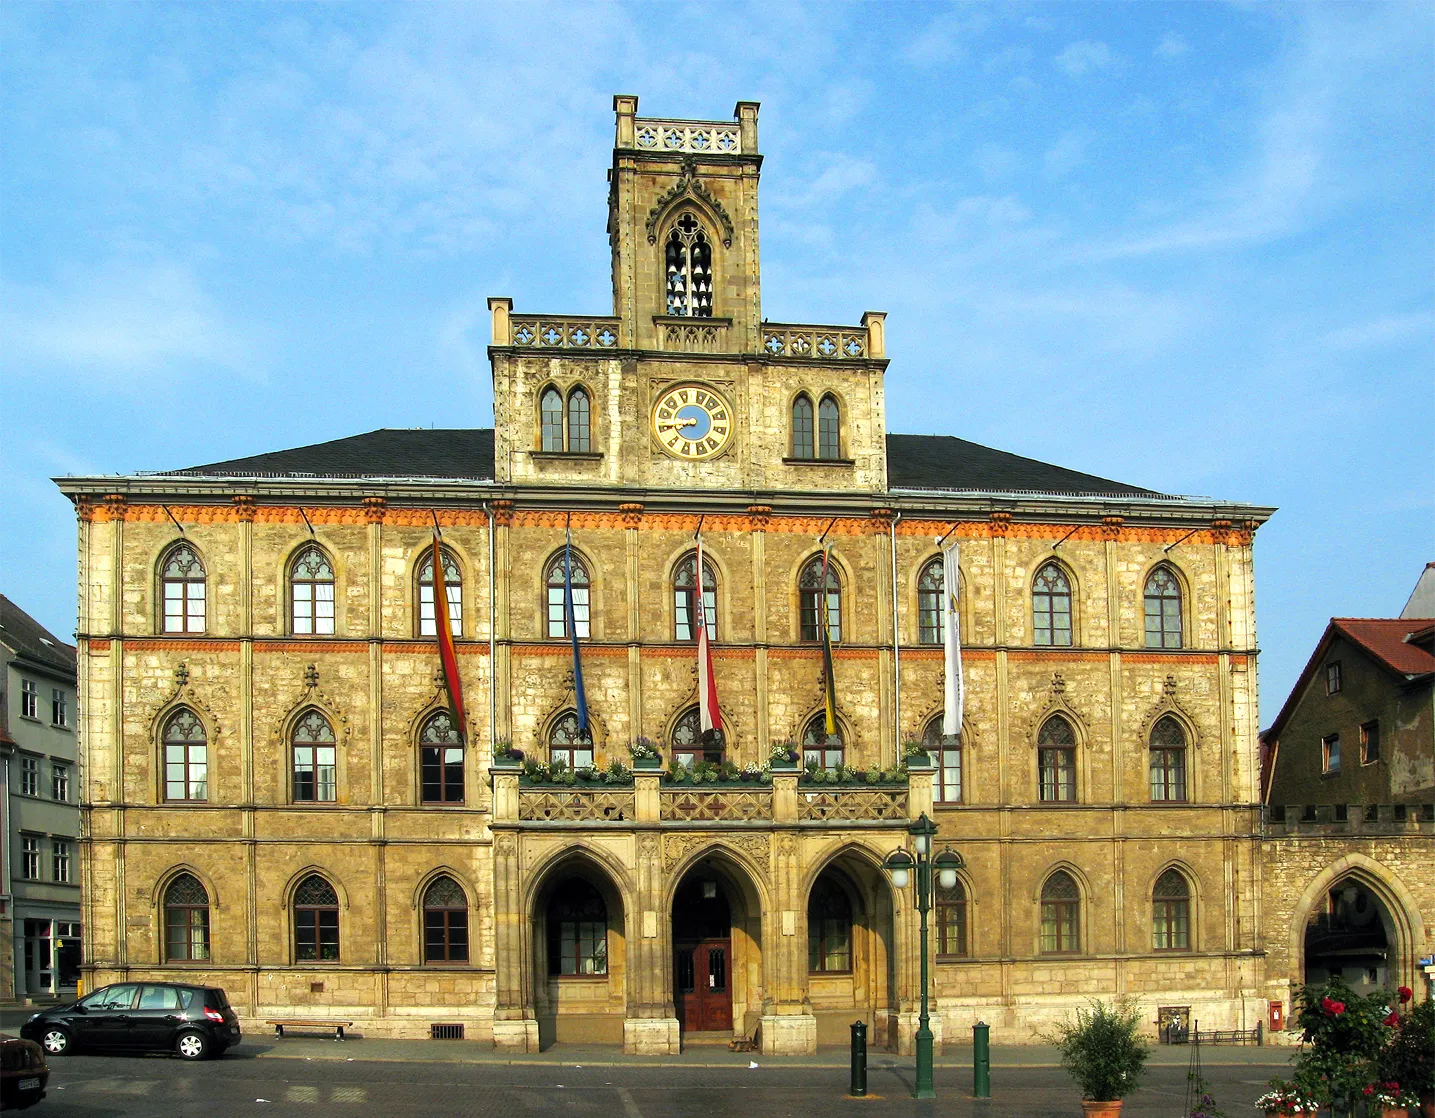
(515, 1027)
(788, 1024)
(651, 1026)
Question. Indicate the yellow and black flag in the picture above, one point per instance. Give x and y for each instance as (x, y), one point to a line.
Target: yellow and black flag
(829, 687)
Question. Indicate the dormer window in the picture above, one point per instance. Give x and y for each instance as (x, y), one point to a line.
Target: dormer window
(689, 258)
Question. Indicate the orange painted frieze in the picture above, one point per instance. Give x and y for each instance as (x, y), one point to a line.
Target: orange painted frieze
(182, 644)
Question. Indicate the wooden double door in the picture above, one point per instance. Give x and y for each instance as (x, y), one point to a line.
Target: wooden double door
(703, 985)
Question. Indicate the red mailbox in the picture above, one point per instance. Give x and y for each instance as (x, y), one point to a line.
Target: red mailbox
(1278, 1016)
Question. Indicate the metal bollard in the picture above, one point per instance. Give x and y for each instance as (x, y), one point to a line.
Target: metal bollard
(858, 1086)
(981, 1061)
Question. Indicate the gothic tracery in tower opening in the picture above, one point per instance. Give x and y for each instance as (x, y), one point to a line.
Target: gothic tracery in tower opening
(689, 269)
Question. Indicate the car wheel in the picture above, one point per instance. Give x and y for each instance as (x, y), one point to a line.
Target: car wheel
(192, 1046)
(56, 1042)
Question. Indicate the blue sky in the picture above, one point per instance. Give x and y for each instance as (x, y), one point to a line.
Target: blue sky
(1183, 245)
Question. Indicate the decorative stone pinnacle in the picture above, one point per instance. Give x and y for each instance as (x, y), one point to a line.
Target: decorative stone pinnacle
(1169, 687)
(311, 676)
(181, 674)
(1058, 684)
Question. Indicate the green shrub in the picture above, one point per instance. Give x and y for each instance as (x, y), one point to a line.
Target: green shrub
(1410, 1059)
(1103, 1050)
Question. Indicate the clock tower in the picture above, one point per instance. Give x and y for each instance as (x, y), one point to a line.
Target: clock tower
(685, 386)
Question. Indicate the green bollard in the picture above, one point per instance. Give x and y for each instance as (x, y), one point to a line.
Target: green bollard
(981, 1061)
(858, 1086)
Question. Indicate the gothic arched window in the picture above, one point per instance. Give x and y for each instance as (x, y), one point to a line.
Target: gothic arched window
(577, 929)
(580, 439)
(440, 760)
(1051, 607)
(316, 921)
(829, 429)
(829, 929)
(568, 744)
(550, 409)
(182, 590)
(817, 748)
(948, 759)
(554, 583)
(689, 745)
(685, 592)
(1056, 760)
(803, 443)
(453, 587)
(186, 757)
(1163, 609)
(314, 750)
(186, 920)
(689, 265)
(311, 593)
(951, 911)
(445, 922)
(1060, 915)
(931, 603)
(1171, 913)
(812, 589)
(1168, 760)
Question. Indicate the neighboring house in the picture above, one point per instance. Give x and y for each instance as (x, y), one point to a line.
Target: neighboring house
(1349, 782)
(1422, 598)
(40, 851)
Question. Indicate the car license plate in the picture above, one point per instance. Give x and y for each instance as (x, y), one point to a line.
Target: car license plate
(29, 1084)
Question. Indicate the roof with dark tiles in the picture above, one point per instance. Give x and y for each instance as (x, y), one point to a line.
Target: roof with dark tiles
(937, 462)
(29, 640)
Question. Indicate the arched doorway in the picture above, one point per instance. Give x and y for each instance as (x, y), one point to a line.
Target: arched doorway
(850, 961)
(579, 956)
(1350, 933)
(717, 950)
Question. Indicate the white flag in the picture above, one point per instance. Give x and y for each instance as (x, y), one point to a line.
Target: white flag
(952, 638)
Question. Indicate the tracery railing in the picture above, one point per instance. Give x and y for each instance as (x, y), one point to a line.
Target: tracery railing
(853, 804)
(551, 331)
(821, 343)
(695, 137)
(726, 805)
(575, 807)
(693, 335)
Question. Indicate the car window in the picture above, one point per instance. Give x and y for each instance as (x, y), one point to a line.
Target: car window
(186, 997)
(112, 997)
(159, 997)
(217, 998)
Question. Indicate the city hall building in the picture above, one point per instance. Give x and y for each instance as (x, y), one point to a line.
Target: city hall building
(280, 800)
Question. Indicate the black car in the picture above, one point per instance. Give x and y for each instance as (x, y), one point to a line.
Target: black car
(194, 1021)
(23, 1073)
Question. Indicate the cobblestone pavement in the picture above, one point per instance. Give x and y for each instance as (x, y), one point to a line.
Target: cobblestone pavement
(282, 1081)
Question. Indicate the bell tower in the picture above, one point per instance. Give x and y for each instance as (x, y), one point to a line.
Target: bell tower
(682, 225)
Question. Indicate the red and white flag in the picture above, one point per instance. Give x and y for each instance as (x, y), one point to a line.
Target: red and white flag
(710, 716)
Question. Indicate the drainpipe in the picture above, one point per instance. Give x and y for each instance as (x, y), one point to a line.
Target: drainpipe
(896, 644)
(492, 641)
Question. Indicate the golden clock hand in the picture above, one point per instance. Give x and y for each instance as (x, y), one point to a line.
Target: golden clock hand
(690, 421)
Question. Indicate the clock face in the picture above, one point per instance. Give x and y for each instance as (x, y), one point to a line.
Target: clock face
(692, 421)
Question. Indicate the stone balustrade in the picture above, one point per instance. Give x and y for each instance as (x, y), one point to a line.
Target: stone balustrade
(695, 137)
(718, 806)
(825, 343)
(553, 331)
(1348, 819)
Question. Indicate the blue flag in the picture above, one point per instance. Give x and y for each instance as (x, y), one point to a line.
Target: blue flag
(569, 616)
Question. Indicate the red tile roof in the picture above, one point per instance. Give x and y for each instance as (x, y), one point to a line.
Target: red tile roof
(1385, 640)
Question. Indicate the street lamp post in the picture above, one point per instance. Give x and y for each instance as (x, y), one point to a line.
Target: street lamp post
(900, 865)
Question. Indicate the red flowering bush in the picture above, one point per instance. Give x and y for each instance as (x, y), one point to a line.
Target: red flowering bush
(1405, 994)
(1344, 1038)
(1331, 1007)
(1410, 1059)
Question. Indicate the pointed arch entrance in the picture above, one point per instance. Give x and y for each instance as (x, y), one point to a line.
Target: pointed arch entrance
(716, 921)
(1350, 933)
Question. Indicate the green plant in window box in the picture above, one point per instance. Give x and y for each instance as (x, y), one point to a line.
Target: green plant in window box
(617, 773)
(645, 754)
(783, 755)
(915, 752)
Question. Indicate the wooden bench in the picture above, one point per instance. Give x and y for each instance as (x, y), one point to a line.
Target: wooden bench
(309, 1023)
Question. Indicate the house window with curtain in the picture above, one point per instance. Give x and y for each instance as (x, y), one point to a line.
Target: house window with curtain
(1060, 915)
(829, 929)
(568, 744)
(1163, 610)
(316, 921)
(445, 922)
(1171, 913)
(182, 590)
(951, 921)
(810, 589)
(186, 920)
(315, 756)
(1051, 607)
(1168, 761)
(453, 593)
(803, 442)
(186, 757)
(311, 593)
(557, 617)
(440, 760)
(685, 592)
(1056, 760)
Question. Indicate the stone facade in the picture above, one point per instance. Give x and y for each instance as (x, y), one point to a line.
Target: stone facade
(544, 867)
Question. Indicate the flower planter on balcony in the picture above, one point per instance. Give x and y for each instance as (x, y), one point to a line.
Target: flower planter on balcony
(647, 763)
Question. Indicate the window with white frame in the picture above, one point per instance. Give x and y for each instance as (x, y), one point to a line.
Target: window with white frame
(60, 782)
(30, 858)
(29, 776)
(60, 851)
(29, 699)
(59, 708)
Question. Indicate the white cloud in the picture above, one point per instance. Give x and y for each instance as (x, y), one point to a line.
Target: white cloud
(123, 318)
(1084, 57)
(1171, 46)
(1383, 330)
(994, 161)
(1068, 153)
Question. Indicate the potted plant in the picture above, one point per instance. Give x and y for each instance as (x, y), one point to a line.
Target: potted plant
(914, 752)
(1410, 1058)
(1344, 1039)
(1284, 1099)
(505, 756)
(1388, 1100)
(750, 772)
(783, 756)
(645, 754)
(1104, 1051)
